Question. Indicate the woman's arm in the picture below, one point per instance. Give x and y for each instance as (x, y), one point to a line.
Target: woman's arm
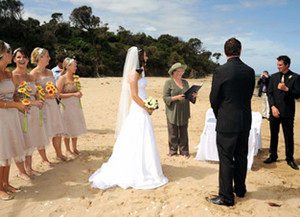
(12, 104)
(168, 99)
(16, 83)
(134, 93)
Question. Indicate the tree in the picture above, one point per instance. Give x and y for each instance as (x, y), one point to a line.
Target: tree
(217, 56)
(168, 40)
(98, 50)
(195, 45)
(11, 9)
(56, 18)
(125, 36)
(82, 18)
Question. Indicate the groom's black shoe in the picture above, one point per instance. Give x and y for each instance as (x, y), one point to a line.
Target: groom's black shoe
(293, 165)
(219, 201)
(269, 160)
(239, 194)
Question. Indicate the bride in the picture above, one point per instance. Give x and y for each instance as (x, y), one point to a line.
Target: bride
(135, 160)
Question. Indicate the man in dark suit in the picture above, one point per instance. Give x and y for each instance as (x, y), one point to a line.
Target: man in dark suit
(230, 97)
(284, 88)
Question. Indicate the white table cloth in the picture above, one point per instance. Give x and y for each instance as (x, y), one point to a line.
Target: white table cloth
(207, 148)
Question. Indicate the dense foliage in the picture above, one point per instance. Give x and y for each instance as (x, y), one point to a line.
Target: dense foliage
(99, 51)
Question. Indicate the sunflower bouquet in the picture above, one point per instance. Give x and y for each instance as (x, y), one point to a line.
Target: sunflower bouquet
(24, 90)
(76, 80)
(151, 103)
(51, 90)
(41, 94)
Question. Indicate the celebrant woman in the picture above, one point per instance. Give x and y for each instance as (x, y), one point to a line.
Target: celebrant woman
(135, 160)
(177, 110)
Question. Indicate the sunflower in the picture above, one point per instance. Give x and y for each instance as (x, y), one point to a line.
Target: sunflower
(25, 102)
(49, 83)
(28, 88)
(22, 90)
(23, 83)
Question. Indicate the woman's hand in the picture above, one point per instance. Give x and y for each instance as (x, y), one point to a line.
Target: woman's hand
(47, 96)
(195, 94)
(180, 97)
(37, 103)
(22, 107)
(150, 111)
(78, 94)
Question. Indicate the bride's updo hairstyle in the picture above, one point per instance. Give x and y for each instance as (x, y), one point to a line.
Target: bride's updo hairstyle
(141, 60)
(36, 53)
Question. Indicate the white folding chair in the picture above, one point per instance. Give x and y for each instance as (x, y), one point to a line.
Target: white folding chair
(207, 148)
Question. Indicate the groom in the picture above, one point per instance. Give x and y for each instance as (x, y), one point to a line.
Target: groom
(230, 97)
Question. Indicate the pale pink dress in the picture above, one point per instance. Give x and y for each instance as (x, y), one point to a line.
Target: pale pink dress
(51, 115)
(12, 143)
(36, 136)
(72, 115)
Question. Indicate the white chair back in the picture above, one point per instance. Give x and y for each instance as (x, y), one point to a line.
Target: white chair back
(210, 116)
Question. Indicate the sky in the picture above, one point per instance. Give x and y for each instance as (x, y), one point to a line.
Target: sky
(266, 28)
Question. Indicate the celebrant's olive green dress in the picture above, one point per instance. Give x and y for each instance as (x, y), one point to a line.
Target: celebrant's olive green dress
(178, 114)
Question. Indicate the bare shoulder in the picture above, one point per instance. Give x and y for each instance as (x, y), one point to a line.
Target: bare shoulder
(49, 72)
(31, 77)
(133, 76)
(8, 73)
(16, 75)
(33, 72)
(62, 79)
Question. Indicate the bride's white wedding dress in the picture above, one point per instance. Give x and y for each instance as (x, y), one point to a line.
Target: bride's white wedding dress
(135, 160)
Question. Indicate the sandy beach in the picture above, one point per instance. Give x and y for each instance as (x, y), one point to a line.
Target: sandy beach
(64, 190)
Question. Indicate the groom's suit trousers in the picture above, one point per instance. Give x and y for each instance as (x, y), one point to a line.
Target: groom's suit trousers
(233, 151)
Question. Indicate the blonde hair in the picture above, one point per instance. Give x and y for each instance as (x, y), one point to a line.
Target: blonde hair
(67, 62)
(4, 47)
(36, 53)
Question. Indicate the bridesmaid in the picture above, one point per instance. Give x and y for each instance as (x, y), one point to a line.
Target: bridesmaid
(12, 143)
(36, 136)
(72, 115)
(51, 115)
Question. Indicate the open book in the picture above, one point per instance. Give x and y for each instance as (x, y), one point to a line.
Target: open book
(189, 93)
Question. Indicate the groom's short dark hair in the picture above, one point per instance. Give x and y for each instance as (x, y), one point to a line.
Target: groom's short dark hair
(232, 47)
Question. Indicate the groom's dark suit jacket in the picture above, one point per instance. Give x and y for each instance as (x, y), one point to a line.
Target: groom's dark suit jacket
(232, 88)
(284, 101)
